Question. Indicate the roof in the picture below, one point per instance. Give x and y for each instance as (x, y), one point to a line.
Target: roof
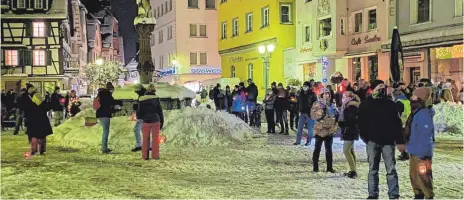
(58, 10)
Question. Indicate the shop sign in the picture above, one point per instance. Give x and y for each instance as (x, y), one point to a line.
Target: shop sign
(202, 70)
(235, 59)
(367, 39)
(167, 72)
(305, 50)
(38, 70)
(455, 51)
(325, 65)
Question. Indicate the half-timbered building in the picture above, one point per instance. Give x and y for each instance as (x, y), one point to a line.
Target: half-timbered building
(34, 46)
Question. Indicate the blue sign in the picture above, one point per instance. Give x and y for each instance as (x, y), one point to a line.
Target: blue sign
(325, 64)
(167, 72)
(202, 70)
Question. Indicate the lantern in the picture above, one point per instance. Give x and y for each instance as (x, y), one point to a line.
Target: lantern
(422, 168)
(27, 155)
(62, 101)
(293, 99)
(134, 117)
(162, 138)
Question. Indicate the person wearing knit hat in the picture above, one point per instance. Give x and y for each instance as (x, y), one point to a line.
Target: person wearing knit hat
(419, 134)
(140, 91)
(151, 113)
(381, 129)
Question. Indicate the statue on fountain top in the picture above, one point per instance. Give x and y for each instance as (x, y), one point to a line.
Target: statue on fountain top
(144, 14)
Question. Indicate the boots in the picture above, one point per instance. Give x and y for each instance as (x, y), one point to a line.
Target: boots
(419, 196)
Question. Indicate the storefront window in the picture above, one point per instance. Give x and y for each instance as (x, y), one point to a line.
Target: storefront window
(446, 63)
(373, 67)
(356, 68)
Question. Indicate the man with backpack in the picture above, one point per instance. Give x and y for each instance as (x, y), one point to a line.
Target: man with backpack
(104, 105)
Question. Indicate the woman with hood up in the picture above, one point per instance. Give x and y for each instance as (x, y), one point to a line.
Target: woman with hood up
(324, 111)
(348, 123)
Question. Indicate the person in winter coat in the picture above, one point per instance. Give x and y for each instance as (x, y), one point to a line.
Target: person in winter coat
(251, 99)
(238, 102)
(362, 91)
(380, 128)
(217, 97)
(104, 113)
(293, 108)
(229, 99)
(348, 123)
(151, 113)
(210, 93)
(419, 134)
(38, 124)
(281, 106)
(19, 112)
(203, 95)
(404, 110)
(140, 91)
(57, 101)
(324, 111)
(274, 88)
(269, 102)
(305, 101)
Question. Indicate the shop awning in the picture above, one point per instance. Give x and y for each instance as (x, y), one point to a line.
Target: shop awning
(430, 38)
(360, 54)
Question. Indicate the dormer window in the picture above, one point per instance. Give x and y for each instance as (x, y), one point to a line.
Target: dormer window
(21, 3)
(38, 4)
(38, 29)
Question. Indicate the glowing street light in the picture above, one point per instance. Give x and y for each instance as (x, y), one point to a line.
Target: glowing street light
(262, 49)
(99, 61)
(270, 48)
(266, 52)
(174, 62)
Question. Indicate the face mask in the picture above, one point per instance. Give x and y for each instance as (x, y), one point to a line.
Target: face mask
(273, 86)
(305, 88)
(269, 93)
(280, 87)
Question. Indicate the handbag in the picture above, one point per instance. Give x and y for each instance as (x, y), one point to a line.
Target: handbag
(324, 126)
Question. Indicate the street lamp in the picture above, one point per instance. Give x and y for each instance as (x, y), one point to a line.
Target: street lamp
(266, 52)
(174, 65)
(99, 61)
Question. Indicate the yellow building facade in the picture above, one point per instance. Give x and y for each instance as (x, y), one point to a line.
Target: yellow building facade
(245, 25)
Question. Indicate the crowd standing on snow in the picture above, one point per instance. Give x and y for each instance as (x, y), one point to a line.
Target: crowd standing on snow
(383, 115)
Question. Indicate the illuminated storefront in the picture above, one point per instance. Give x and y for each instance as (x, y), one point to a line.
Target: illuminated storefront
(447, 63)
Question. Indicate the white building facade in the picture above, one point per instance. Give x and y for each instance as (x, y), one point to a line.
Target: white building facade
(184, 42)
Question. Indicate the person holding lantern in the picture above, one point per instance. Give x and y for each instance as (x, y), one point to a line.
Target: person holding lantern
(419, 133)
(57, 106)
(74, 103)
(140, 91)
(150, 111)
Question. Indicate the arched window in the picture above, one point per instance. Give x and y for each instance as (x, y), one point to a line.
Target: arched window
(250, 71)
(232, 71)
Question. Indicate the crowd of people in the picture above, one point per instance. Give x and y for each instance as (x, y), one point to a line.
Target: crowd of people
(382, 115)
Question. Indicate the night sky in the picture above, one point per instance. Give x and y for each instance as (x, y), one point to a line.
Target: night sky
(125, 11)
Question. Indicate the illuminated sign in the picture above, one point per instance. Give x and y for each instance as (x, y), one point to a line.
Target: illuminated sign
(455, 51)
(203, 70)
(325, 65)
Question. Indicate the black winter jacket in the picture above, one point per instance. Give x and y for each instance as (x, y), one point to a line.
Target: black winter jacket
(55, 102)
(379, 122)
(106, 104)
(135, 106)
(252, 91)
(349, 124)
(306, 101)
(293, 102)
(150, 110)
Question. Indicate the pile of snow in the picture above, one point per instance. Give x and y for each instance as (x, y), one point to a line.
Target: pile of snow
(448, 118)
(163, 90)
(184, 127)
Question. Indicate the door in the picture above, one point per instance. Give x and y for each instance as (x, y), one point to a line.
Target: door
(414, 75)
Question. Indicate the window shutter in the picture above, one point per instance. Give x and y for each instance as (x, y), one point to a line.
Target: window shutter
(49, 57)
(27, 56)
(28, 27)
(413, 11)
(49, 29)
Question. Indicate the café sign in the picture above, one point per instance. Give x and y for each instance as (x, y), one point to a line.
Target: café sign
(367, 39)
(305, 50)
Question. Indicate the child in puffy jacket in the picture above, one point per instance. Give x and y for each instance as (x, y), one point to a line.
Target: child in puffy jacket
(237, 103)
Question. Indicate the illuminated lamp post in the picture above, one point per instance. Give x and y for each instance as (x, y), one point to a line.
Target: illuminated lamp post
(266, 52)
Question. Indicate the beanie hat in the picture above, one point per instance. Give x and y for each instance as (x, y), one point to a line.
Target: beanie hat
(375, 83)
(57, 88)
(422, 93)
(280, 84)
(236, 86)
(109, 85)
(138, 87)
(242, 84)
(273, 83)
(151, 88)
(307, 83)
(397, 92)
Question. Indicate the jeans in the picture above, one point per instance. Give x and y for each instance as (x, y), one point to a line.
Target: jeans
(305, 118)
(154, 129)
(328, 141)
(105, 123)
(250, 109)
(387, 152)
(19, 121)
(137, 129)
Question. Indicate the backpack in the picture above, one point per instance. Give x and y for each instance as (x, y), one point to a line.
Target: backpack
(96, 103)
